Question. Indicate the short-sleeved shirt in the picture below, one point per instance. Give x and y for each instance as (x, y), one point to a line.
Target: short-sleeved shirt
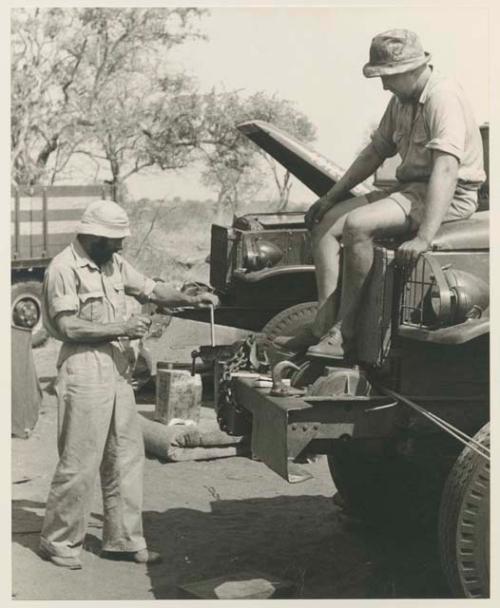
(75, 283)
(441, 119)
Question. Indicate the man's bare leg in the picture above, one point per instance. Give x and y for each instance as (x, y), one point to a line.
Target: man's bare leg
(382, 218)
(326, 250)
(325, 239)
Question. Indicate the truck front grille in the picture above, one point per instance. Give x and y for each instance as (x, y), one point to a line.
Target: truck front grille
(416, 295)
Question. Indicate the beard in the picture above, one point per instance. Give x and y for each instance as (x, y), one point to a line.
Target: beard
(100, 251)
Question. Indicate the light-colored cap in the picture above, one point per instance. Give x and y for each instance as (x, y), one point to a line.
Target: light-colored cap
(104, 218)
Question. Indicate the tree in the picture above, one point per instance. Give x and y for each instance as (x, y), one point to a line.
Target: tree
(90, 81)
(40, 77)
(283, 114)
(234, 164)
(97, 83)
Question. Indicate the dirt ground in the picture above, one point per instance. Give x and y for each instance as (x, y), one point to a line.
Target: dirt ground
(213, 519)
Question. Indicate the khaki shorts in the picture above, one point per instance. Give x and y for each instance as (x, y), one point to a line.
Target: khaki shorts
(411, 198)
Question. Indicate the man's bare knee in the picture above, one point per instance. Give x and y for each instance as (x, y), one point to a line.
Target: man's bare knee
(321, 237)
(356, 228)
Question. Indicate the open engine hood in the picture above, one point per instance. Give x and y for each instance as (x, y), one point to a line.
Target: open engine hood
(311, 168)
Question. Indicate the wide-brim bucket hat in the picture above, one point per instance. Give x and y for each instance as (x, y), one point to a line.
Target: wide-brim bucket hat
(395, 52)
(104, 218)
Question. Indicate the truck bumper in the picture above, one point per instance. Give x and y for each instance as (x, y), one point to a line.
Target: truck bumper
(283, 427)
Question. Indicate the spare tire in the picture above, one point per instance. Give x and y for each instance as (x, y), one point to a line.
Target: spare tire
(26, 309)
(288, 322)
(464, 523)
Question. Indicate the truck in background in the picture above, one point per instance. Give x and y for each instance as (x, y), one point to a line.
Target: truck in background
(43, 220)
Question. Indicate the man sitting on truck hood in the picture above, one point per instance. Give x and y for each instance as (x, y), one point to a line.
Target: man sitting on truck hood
(99, 430)
(429, 122)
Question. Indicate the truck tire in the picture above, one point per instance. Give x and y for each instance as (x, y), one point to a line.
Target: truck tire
(366, 476)
(383, 486)
(464, 523)
(26, 309)
(289, 321)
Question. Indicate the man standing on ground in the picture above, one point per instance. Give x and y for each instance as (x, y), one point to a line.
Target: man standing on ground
(429, 122)
(99, 429)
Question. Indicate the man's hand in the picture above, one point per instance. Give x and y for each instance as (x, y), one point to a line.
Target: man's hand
(409, 251)
(366, 163)
(191, 295)
(136, 326)
(316, 212)
(204, 299)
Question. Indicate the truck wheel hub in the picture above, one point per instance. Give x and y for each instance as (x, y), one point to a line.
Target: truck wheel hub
(26, 313)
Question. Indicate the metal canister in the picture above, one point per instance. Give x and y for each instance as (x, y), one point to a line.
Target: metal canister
(178, 393)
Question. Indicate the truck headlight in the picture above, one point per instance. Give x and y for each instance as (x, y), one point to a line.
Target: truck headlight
(260, 254)
(436, 296)
(469, 294)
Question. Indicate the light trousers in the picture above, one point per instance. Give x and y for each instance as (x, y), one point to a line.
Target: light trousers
(98, 431)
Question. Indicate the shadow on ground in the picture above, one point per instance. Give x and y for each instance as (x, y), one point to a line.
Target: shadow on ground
(301, 539)
(27, 525)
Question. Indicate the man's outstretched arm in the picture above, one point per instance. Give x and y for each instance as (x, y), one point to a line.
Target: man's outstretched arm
(164, 295)
(441, 189)
(144, 289)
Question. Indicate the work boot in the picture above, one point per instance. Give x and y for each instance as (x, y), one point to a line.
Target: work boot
(331, 345)
(298, 343)
(144, 556)
(70, 562)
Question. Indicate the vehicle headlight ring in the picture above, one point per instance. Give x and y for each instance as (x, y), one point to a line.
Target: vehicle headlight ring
(435, 296)
(261, 253)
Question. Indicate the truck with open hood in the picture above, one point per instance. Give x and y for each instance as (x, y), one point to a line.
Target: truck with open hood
(406, 428)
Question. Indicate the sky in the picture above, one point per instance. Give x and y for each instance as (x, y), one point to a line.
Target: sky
(313, 56)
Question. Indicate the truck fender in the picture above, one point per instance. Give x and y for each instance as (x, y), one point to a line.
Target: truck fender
(270, 273)
(456, 334)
